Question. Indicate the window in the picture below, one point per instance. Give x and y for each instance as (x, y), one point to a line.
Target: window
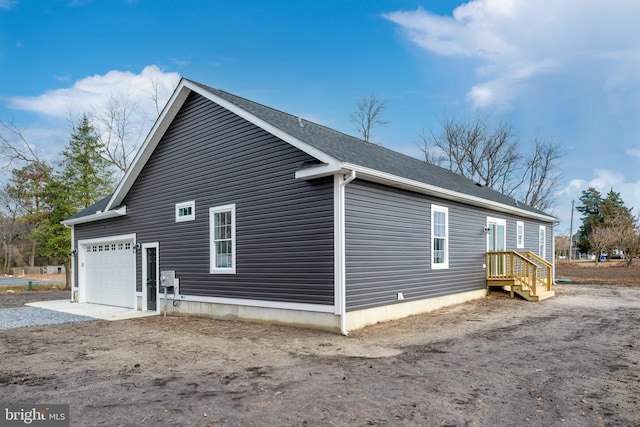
(520, 234)
(439, 237)
(542, 242)
(186, 211)
(222, 229)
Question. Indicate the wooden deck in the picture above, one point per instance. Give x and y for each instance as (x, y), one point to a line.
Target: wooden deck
(522, 273)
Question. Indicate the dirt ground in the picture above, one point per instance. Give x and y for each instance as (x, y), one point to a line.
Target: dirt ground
(571, 360)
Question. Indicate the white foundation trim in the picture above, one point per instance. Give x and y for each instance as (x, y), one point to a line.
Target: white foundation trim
(369, 316)
(325, 320)
(259, 303)
(303, 318)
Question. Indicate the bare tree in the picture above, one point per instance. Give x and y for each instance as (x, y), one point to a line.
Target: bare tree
(8, 221)
(368, 115)
(15, 146)
(432, 153)
(17, 201)
(489, 155)
(474, 150)
(155, 95)
(458, 143)
(632, 244)
(602, 239)
(625, 233)
(541, 174)
(499, 159)
(121, 130)
(562, 245)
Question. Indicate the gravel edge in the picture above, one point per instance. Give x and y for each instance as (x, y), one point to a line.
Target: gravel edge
(22, 317)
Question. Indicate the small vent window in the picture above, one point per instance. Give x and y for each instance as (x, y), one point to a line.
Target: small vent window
(186, 211)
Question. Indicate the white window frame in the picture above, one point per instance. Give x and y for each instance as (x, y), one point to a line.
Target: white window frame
(212, 243)
(542, 242)
(519, 234)
(182, 218)
(440, 265)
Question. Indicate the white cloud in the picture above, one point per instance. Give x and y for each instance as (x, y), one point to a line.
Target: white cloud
(517, 41)
(634, 152)
(6, 4)
(90, 94)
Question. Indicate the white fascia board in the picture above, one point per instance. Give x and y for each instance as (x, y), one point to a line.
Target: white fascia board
(121, 211)
(150, 143)
(303, 146)
(421, 187)
(319, 171)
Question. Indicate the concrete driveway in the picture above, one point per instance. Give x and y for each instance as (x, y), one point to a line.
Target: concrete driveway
(96, 311)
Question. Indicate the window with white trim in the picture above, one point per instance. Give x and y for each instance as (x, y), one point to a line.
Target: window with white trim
(439, 237)
(222, 237)
(542, 242)
(186, 211)
(520, 234)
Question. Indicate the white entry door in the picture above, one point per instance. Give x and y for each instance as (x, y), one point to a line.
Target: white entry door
(496, 242)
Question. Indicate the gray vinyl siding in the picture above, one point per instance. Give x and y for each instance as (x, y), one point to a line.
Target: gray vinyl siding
(284, 226)
(388, 247)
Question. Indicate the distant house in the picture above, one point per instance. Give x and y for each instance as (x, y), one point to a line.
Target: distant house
(252, 213)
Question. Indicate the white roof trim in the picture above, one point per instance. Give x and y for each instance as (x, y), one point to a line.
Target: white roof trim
(150, 143)
(421, 187)
(317, 171)
(121, 211)
(184, 88)
(301, 145)
(330, 165)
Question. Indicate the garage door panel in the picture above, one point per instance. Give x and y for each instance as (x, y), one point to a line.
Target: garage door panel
(110, 268)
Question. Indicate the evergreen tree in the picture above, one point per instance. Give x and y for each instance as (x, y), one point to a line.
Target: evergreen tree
(84, 178)
(591, 200)
(608, 213)
(55, 238)
(613, 207)
(84, 171)
(27, 188)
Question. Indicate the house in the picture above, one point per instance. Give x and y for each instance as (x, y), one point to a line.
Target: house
(246, 212)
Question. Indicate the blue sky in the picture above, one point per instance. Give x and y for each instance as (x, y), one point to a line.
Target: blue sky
(565, 70)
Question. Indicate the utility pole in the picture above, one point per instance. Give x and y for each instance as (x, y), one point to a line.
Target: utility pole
(571, 234)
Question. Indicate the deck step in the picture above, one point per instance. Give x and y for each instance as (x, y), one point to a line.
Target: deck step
(541, 292)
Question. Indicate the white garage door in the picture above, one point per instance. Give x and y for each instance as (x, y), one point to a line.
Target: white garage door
(110, 273)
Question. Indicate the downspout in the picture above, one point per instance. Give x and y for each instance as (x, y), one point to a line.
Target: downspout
(74, 256)
(346, 179)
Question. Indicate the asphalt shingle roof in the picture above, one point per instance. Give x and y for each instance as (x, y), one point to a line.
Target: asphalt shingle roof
(353, 150)
(100, 205)
(349, 149)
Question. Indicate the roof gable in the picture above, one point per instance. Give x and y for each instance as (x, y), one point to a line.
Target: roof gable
(180, 94)
(352, 152)
(334, 150)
